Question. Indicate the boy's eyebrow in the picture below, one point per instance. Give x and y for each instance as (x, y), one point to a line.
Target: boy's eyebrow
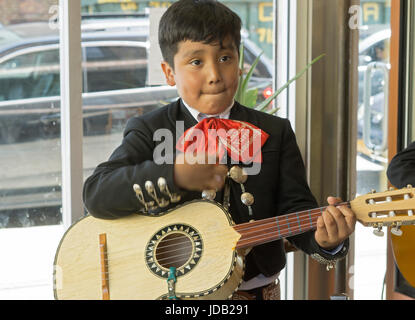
(199, 51)
(193, 53)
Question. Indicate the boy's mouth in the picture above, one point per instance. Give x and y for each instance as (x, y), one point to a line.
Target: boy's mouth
(213, 92)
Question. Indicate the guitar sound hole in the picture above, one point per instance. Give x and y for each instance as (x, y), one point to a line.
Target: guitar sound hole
(174, 250)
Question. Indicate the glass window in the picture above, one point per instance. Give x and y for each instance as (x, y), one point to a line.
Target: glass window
(115, 67)
(261, 70)
(30, 75)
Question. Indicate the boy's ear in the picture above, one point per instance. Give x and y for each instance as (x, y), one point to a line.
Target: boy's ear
(240, 71)
(168, 73)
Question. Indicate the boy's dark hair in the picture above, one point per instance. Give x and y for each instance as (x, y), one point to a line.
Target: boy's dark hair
(206, 21)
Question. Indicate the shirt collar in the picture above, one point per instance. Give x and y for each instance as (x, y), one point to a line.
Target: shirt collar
(199, 116)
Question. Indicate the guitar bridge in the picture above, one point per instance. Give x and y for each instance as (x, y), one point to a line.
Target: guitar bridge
(104, 266)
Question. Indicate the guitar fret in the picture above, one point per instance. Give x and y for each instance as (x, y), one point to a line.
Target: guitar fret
(299, 223)
(278, 226)
(289, 228)
(266, 230)
(309, 215)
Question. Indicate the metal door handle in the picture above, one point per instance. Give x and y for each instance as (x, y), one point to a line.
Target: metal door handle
(367, 106)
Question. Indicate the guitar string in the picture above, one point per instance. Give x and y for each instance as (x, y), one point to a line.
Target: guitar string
(280, 235)
(175, 260)
(272, 224)
(291, 217)
(258, 237)
(272, 221)
(266, 226)
(286, 219)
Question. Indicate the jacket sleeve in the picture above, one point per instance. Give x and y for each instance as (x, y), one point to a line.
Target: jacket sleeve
(108, 193)
(295, 195)
(401, 170)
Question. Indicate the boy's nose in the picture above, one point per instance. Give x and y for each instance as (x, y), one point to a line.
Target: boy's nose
(214, 75)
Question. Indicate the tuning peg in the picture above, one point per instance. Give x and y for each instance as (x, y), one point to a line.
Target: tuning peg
(372, 214)
(162, 184)
(409, 186)
(140, 196)
(396, 229)
(373, 191)
(162, 203)
(378, 230)
(391, 189)
(407, 197)
(391, 213)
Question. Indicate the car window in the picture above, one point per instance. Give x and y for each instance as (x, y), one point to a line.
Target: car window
(30, 75)
(115, 67)
(260, 71)
(379, 51)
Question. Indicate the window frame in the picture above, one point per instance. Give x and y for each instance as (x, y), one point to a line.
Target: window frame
(71, 110)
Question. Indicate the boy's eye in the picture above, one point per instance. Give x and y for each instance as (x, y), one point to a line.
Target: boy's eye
(224, 58)
(195, 62)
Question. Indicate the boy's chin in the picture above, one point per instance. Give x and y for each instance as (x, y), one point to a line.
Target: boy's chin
(210, 110)
(214, 107)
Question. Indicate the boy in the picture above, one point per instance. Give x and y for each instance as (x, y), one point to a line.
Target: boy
(200, 40)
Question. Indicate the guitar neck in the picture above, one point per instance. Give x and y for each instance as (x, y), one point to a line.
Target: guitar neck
(262, 231)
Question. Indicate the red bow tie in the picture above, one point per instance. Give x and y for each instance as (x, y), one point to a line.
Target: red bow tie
(241, 140)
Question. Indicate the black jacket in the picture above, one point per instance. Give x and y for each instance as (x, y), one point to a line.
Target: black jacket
(279, 188)
(401, 170)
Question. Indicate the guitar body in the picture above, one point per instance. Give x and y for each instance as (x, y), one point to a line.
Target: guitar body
(404, 252)
(194, 251)
(196, 238)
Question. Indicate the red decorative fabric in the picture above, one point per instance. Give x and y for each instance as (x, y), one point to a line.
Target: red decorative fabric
(240, 140)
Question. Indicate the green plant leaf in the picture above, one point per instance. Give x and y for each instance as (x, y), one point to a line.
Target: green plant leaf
(239, 93)
(263, 105)
(251, 97)
(245, 82)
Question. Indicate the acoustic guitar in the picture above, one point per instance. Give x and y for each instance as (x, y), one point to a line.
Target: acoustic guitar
(404, 253)
(193, 251)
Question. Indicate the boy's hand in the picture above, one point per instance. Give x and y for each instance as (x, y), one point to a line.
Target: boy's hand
(335, 225)
(199, 176)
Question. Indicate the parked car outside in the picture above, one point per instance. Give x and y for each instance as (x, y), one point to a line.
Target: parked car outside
(115, 88)
(114, 74)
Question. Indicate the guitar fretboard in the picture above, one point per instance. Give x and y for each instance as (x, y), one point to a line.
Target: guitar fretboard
(271, 229)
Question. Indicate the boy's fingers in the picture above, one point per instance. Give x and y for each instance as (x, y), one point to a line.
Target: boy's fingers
(220, 172)
(330, 224)
(348, 214)
(321, 226)
(333, 200)
(346, 218)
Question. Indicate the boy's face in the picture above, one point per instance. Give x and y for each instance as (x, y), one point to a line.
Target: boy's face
(206, 75)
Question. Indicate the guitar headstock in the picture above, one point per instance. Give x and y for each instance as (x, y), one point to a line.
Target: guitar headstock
(392, 208)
